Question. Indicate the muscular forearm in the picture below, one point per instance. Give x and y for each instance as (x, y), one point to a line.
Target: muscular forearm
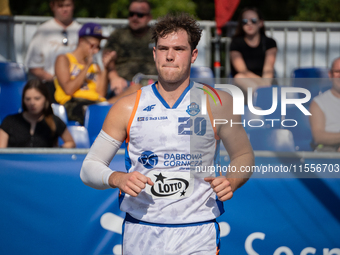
(114, 177)
(238, 178)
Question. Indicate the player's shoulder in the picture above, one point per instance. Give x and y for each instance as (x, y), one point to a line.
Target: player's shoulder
(218, 91)
(126, 103)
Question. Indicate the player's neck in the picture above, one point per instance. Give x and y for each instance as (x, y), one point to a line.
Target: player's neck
(170, 92)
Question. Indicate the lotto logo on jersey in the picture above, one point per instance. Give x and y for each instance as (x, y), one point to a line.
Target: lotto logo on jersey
(149, 108)
(171, 185)
(148, 159)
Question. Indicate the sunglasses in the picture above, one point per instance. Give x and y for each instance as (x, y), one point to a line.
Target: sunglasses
(65, 39)
(93, 46)
(139, 15)
(252, 20)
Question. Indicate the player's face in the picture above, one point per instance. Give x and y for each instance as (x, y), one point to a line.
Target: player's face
(251, 22)
(139, 16)
(173, 57)
(334, 74)
(63, 10)
(34, 101)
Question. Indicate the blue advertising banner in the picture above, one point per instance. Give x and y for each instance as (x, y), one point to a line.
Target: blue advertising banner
(46, 209)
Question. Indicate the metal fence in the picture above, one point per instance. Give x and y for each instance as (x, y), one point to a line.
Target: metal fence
(300, 44)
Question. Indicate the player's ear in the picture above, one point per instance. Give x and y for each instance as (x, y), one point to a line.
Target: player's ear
(154, 53)
(194, 55)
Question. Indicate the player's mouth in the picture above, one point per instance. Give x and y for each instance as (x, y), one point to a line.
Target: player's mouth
(167, 66)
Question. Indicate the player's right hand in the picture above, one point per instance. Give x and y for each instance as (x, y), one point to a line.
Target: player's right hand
(129, 183)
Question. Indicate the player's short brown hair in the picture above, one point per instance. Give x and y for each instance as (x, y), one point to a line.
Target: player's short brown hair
(172, 23)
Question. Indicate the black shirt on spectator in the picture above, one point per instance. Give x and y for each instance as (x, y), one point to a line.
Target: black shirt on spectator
(253, 57)
(18, 130)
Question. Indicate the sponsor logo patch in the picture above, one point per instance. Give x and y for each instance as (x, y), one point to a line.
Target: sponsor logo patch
(170, 185)
(193, 109)
(148, 159)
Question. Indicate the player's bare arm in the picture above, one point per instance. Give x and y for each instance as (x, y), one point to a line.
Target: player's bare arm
(236, 141)
(116, 125)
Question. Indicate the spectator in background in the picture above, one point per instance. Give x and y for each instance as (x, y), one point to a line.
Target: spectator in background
(36, 126)
(4, 8)
(325, 118)
(133, 48)
(79, 81)
(54, 37)
(252, 53)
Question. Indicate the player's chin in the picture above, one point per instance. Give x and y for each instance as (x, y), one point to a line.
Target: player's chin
(170, 78)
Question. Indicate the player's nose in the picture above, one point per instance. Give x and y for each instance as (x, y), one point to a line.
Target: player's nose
(170, 55)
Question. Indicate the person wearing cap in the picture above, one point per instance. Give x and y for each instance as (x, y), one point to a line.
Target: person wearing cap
(133, 46)
(54, 37)
(79, 81)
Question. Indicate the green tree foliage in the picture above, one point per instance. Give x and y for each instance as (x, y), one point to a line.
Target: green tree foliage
(30, 7)
(309, 10)
(119, 8)
(102, 8)
(318, 10)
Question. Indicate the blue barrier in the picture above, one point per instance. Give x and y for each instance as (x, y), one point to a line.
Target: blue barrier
(46, 209)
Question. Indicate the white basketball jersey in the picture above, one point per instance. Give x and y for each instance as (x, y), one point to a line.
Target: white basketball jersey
(168, 145)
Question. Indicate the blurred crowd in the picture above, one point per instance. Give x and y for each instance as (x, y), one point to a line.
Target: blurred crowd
(62, 70)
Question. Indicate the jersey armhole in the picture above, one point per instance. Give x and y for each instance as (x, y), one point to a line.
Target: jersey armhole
(211, 118)
(139, 92)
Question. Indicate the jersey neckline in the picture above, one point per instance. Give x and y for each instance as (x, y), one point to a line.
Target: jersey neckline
(179, 100)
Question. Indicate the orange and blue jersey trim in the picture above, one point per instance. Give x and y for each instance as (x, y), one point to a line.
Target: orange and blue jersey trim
(211, 118)
(132, 116)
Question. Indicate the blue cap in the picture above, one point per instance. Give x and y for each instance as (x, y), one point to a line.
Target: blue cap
(91, 29)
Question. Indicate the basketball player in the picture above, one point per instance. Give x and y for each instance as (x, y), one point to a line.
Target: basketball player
(170, 207)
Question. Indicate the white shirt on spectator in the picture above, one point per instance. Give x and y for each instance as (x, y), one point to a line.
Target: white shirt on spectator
(47, 44)
(330, 106)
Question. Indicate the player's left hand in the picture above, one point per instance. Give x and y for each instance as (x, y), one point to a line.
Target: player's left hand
(221, 186)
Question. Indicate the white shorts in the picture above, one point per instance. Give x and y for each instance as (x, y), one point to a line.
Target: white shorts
(143, 238)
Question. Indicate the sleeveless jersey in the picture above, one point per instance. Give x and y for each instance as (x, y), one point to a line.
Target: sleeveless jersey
(87, 90)
(169, 145)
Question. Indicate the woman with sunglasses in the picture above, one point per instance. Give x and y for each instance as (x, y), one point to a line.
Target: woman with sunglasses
(36, 126)
(252, 53)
